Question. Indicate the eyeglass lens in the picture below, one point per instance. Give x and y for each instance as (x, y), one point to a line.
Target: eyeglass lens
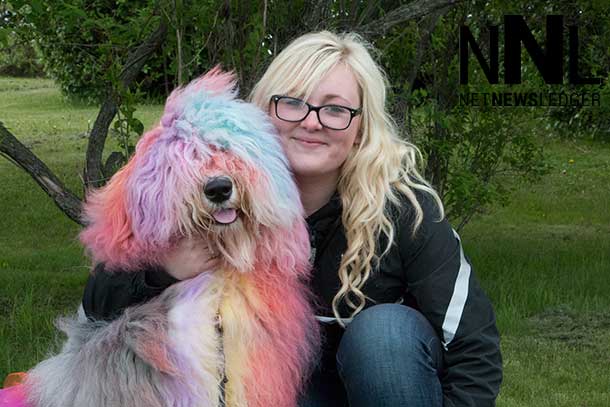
(294, 110)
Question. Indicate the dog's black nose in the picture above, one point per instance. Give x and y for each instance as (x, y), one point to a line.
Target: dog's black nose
(218, 189)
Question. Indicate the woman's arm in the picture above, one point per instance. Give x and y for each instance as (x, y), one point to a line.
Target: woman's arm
(442, 283)
(108, 293)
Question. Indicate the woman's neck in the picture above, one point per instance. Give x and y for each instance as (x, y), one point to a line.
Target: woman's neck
(316, 191)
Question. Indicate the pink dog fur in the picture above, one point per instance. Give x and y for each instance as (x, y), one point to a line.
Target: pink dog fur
(135, 219)
(270, 335)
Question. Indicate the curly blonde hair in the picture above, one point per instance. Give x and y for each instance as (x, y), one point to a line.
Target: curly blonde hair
(380, 168)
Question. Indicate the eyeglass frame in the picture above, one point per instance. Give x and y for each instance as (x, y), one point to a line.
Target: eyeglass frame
(310, 107)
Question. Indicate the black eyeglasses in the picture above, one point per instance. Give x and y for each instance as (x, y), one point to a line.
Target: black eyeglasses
(334, 117)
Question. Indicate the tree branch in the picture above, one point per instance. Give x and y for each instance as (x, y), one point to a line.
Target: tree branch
(317, 15)
(21, 156)
(136, 59)
(403, 105)
(416, 9)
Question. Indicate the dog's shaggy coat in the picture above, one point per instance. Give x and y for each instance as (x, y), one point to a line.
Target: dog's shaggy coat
(250, 320)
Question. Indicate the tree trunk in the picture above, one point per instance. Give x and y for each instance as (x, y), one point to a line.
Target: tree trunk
(21, 156)
(416, 9)
(403, 110)
(136, 59)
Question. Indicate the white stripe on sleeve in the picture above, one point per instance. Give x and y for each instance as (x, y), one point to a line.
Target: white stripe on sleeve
(458, 298)
(332, 320)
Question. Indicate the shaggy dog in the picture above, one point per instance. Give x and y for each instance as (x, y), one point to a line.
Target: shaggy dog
(243, 335)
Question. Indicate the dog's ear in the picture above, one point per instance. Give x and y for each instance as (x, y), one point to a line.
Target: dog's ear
(109, 235)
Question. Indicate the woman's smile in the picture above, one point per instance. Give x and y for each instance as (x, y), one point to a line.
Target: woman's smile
(308, 142)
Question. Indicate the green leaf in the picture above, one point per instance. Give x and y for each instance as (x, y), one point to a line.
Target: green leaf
(4, 37)
(137, 126)
(76, 12)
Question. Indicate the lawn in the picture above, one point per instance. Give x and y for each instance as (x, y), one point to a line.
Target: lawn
(544, 259)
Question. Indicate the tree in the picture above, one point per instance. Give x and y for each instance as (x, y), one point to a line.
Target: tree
(160, 44)
(76, 17)
(67, 201)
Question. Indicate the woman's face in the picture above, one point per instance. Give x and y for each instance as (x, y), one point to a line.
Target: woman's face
(314, 150)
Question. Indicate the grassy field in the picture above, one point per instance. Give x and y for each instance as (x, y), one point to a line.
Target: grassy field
(544, 259)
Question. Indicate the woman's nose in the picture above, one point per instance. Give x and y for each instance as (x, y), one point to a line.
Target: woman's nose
(311, 122)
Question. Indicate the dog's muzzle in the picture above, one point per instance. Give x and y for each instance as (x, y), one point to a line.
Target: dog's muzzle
(218, 190)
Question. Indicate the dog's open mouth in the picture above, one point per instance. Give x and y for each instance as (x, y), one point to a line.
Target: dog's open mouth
(225, 216)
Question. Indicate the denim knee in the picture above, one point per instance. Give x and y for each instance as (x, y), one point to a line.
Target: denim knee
(390, 329)
(390, 352)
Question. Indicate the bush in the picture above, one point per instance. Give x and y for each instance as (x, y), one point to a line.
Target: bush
(86, 43)
(20, 58)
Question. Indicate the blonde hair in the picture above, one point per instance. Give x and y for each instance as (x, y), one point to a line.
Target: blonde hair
(375, 171)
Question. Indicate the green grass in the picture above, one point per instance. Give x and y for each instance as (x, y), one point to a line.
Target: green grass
(42, 266)
(544, 259)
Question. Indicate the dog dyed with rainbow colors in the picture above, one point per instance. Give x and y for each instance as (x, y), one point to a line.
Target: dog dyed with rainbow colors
(212, 167)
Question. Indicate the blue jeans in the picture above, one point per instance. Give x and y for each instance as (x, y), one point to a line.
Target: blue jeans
(388, 356)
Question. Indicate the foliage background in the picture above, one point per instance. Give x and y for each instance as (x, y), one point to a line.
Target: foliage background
(469, 152)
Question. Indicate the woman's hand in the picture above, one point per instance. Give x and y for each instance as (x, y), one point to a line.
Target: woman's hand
(191, 257)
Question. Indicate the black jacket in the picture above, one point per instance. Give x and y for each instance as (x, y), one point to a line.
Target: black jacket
(428, 272)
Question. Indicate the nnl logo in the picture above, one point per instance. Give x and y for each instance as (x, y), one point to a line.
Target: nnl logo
(548, 62)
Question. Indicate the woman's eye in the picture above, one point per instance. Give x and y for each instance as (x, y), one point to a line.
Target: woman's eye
(294, 102)
(336, 110)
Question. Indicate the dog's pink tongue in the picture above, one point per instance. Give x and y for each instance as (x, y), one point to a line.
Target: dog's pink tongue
(225, 215)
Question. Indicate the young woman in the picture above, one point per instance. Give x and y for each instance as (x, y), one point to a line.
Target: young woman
(405, 321)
